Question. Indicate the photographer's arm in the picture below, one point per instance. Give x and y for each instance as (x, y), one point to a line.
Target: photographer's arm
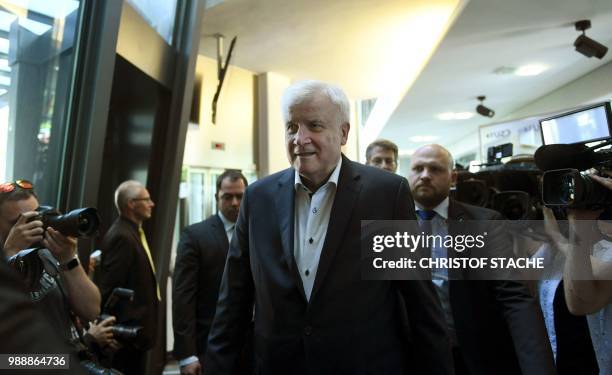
(83, 295)
(587, 281)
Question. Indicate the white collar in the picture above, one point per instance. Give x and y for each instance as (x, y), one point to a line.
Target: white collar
(332, 179)
(226, 223)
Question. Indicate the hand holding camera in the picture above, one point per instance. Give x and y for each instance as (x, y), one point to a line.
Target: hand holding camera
(102, 332)
(64, 248)
(24, 233)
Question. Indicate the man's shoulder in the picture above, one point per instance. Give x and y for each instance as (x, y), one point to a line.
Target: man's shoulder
(471, 212)
(265, 183)
(376, 174)
(203, 225)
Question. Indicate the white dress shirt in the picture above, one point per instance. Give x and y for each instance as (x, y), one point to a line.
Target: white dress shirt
(228, 226)
(311, 214)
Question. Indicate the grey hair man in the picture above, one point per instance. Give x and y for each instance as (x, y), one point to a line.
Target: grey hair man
(127, 262)
(295, 256)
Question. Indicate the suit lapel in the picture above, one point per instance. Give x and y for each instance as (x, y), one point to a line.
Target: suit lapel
(456, 213)
(284, 206)
(342, 209)
(219, 233)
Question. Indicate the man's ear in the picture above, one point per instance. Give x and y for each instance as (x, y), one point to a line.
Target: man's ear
(454, 176)
(344, 129)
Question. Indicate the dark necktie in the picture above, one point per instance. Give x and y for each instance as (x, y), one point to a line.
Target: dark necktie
(425, 222)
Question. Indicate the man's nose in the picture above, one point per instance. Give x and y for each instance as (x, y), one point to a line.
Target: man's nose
(235, 201)
(302, 136)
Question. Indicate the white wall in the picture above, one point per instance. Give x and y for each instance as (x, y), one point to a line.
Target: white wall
(235, 125)
(272, 155)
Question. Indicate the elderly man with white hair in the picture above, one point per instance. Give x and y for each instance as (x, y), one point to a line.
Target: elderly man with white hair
(127, 263)
(296, 257)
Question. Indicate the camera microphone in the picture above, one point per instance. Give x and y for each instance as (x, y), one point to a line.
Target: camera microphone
(560, 156)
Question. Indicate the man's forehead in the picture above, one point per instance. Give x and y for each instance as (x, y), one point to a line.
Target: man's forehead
(433, 160)
(379, 151)
(12, 209)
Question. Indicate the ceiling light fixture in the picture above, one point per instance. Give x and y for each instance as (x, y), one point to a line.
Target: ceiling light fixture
(586, 45)
(423, 138)
(482, 110)
(530, 70)
(446, 116)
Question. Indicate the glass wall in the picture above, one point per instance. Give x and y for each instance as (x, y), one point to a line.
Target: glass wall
(37, 64)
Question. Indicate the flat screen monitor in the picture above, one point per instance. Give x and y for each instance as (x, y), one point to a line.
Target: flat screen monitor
(585, 125)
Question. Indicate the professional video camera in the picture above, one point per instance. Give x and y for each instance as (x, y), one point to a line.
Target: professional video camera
(120, 331)
(574, 142)
(511, 188)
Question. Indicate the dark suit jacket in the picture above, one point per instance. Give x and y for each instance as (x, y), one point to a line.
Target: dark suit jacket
(349, 326)
(125, 264)
(200, 260)
(499, 325)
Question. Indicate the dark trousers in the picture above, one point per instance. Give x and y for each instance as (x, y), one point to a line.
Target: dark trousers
(460, 366)
(130, 361)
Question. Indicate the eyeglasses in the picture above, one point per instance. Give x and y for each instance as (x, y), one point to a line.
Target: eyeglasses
(9, 187)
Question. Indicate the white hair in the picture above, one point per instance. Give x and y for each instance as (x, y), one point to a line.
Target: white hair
(302, 91)
(125, 191)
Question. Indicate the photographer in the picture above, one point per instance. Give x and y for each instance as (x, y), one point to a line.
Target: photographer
(18, 231)
(587, 272)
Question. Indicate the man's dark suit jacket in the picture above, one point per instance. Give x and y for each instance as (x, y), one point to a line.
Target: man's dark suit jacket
(125, 264)
(349, 326)
(200, 260)
(499, 325)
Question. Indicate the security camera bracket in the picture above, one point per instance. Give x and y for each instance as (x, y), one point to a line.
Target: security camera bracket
(583, 25)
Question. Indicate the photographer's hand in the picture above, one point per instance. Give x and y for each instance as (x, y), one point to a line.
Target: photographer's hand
(23, 234)
(193, 368)
(83, 294)
(63, 248)
(102, 331)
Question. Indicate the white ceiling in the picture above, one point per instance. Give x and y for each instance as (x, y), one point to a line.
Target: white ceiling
(335, 40)
(354, 43)
(490, 34)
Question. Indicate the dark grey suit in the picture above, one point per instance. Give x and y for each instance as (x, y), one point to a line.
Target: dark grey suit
(499, 325)
(200, 260)
(349, 326)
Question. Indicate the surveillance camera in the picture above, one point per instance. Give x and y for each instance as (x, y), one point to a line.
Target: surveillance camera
(590, 47)
(485, 111)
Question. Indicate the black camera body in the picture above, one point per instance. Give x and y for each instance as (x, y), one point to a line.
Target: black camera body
(123, 332)
(511, 188)
(568, 187)
(81, 222)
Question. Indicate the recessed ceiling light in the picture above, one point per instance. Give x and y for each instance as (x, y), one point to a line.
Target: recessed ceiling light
(530, 70)
(446, 116)
(405, 152)
(423, 138)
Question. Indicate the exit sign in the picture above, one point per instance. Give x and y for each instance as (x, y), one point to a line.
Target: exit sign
(220, 146)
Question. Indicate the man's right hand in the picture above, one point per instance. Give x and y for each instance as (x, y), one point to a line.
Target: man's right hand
(23, 234)
(193, 368)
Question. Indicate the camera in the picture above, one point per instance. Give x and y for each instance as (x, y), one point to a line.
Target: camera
(574, 142)
(123, 332)
(511, 188)
(81, 222)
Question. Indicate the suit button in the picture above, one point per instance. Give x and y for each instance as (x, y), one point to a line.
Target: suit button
(308, 330)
